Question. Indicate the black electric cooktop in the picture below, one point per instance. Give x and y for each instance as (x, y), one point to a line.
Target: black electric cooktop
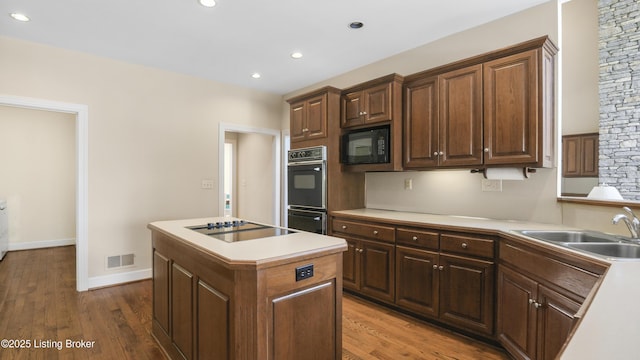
(238, 230)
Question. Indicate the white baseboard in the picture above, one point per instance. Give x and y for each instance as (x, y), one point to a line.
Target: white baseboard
(119, 278)
(40, 244)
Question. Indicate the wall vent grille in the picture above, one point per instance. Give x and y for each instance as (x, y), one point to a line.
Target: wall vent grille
(119, 261)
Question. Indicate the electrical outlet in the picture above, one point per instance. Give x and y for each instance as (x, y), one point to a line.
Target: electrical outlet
(408, 184)
(491, 185)
(304, 272)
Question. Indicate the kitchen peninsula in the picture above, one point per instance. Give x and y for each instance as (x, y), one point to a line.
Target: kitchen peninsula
(232, 296)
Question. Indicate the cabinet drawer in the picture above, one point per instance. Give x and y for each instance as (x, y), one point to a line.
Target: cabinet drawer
(369, 231)
(564, 275)
(418, 238)
(466, 245)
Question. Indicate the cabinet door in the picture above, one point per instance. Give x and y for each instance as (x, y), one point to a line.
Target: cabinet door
(297, 121)
(516, 315)
(213, 323)
(181, 310)
(556, 319)
(351, 266)
(377, 103)
(316, 124)
(466, 292)
(590, 153)
(512, 125)
(460, 114)
(417, 280)
(377, 268)
(421, 123)
(571, 150)
(161, 290)
(352, 108)
(301, 326)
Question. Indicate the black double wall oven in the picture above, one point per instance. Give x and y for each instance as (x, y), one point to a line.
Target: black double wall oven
(307, 189)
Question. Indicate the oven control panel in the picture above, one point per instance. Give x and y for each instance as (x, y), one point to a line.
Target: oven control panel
(308, 154)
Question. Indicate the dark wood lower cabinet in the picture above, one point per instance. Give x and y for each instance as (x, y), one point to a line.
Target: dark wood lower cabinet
(517, 320)
(466, 293)
(213, 323)
(304, 315)
(539, 296)
(534, 320)
(181, 301)
(369, 268)
(556, 319)
(453, 289)
(416, 280)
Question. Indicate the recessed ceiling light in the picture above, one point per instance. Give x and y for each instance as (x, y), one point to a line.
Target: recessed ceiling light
(208, 3)
(20, 17)
(356, 25)
(296, 55)
(256, 75)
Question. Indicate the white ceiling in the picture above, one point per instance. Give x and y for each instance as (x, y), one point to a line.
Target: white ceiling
(229, 42)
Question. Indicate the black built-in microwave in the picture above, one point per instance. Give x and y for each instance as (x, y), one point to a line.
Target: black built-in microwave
(366, 146)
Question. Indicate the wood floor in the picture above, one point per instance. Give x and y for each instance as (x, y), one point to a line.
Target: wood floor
(40, 310)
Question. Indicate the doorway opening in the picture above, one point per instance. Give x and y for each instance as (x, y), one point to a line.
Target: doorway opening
(249, 169)
(81, 174)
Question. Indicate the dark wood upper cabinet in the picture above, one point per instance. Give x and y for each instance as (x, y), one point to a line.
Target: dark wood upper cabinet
(517, 90)
(310, 113)
(421, 145)
(580, 155)
(371, 102)
(492, 109)
(460, 124)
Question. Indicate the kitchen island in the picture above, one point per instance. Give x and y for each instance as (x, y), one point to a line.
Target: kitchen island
(274, 297)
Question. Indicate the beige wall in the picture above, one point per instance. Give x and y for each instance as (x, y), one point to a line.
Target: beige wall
(580, 100)
(153, 136)
(38, 175)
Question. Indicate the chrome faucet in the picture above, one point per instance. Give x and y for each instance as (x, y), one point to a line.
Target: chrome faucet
(632, 222)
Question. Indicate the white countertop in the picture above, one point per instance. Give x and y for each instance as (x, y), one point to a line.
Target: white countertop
(256, 251)
(611, 325)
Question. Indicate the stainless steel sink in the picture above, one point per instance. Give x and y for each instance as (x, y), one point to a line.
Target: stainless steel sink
(614, 250)
(571, 236)
(592, 242)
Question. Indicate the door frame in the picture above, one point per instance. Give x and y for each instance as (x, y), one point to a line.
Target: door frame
(276, 145)
(82, 205)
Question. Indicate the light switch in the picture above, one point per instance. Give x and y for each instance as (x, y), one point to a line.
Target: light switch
(207, 184)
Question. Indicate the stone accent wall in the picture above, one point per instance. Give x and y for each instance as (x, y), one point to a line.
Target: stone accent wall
(620, 95)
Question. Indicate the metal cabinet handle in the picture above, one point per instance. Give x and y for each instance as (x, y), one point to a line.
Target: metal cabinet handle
(464, 245)
(441, 153)
(415, 238)
(361, 250)
(535, 303)
(435, 267)
(375, 232)
(440, 267)
(435, 153)
(486, 150)
(344, 227)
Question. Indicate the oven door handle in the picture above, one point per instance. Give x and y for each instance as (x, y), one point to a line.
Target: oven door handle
(306, 163)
